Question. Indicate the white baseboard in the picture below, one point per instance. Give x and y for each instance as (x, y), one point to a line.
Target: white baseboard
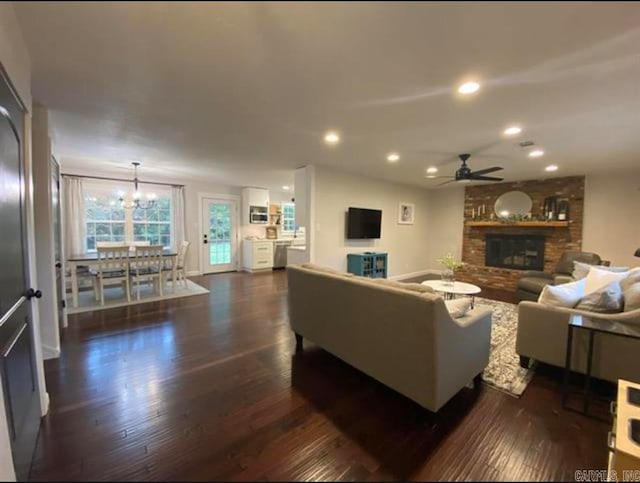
(45, 401)
(49, 352)
(194, 273)
(429, 271)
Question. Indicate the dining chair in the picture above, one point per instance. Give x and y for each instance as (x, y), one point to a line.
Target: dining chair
(180, 265)
(113, 265)
(146, 266)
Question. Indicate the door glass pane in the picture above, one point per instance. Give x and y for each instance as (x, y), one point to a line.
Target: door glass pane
(219, 233)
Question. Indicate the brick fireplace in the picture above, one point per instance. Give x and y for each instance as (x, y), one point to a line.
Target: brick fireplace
(557, 239)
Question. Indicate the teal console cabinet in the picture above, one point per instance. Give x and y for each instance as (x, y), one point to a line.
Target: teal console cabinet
(367, 264)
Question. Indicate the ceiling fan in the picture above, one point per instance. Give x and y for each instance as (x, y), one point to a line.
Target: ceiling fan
(464, 173)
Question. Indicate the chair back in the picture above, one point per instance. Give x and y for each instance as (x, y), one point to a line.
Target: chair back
(113, 259)
(148, 259)
(565, 265)
(108, 244)
(182, 253)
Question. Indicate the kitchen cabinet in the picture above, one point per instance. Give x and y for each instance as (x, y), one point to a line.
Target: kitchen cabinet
(254, 197)
(257, 255)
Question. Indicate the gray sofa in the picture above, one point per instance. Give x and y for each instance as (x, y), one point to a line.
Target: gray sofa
(532, 282)
(400, 334)
(542, 335)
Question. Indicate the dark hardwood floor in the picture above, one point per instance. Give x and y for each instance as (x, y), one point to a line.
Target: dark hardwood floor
(209, 388)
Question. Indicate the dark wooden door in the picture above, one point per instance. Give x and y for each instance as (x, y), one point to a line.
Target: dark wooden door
(17, 360)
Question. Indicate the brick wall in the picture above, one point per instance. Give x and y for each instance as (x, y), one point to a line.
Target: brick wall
(557, 239)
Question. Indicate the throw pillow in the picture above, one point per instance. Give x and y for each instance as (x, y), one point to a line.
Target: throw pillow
(631, 296)
(631, 279)
(566, 295)
(598, 278)
(605, 300)
(458, 307)
(581, 270)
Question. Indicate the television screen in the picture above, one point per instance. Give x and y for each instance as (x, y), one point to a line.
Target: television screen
(363, 223)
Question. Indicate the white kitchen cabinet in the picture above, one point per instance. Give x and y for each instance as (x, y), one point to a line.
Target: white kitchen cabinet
(253, 197)
(257, 255)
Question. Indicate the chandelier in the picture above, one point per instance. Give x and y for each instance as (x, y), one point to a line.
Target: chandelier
(136, 202)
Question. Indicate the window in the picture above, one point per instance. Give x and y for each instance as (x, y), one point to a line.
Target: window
(107, 221)
(288, 217)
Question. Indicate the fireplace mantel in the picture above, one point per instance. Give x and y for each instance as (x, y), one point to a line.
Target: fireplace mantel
(532, 224)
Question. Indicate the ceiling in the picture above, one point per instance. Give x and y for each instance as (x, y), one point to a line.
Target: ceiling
(242, 93)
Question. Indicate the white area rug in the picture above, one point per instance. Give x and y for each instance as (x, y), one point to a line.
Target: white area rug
(504, 371)
(115, 296)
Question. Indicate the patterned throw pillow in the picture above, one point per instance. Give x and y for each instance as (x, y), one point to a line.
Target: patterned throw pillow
(458, 307)
(605, 300)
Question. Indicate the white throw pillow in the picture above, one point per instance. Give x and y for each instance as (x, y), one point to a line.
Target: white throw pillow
(605, 300)
(458, 307)
(581, 270)
(566, 295)
(598, 278)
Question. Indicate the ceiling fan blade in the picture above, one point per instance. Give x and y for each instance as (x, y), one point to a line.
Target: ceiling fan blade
(447, 182)
(480, 172)
(485, 178)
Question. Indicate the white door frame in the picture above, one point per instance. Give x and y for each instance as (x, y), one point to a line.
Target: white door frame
(216, 196)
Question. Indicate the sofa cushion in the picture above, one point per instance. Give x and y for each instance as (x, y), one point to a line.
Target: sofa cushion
(458, 307)
(631, 296)
(533, 284)
(581, 270)
(598, 278)
(605, 300)
(414, 287)
(332, 271)
(566, 295)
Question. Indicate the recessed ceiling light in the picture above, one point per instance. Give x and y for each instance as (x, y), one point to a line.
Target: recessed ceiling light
(286, 188)
(469, 87)
(393, 157)
(432, 169)
(536, 153)
(551, 167)
(332, 137)
(431, 176)
(512, 131)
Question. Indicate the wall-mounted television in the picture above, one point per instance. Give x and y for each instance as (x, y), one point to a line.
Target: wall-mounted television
(363, 223)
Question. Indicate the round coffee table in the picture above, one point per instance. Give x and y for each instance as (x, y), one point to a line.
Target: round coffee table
(451, 289)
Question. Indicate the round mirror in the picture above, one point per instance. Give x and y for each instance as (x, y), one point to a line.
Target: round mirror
(513, 203)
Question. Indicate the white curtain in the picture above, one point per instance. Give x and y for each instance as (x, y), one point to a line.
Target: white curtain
(74, 226)
(178, 216)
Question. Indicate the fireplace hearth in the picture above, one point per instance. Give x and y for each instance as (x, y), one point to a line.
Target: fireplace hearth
(519, 252)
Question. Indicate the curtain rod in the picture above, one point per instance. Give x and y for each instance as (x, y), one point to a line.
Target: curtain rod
(104, 178)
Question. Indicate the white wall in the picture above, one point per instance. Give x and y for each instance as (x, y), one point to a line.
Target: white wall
(446, 224)
(611, 217)
(14, 55)
(335, 192)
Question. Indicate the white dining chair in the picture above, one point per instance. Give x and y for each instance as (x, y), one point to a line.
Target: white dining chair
(113, 265)
(146, 266)
(180, 266)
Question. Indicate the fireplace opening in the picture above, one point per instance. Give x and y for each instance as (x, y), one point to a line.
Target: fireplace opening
(520, 252)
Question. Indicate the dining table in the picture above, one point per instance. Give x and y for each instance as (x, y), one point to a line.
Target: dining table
(90, 259)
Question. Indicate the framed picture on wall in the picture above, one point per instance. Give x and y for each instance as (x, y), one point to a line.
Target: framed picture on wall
(272, 232)
(406, 213)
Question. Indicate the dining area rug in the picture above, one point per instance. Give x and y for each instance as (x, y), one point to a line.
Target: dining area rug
(115, 297)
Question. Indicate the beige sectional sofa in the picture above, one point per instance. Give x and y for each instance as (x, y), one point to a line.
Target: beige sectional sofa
(400, 334)
(542, 335)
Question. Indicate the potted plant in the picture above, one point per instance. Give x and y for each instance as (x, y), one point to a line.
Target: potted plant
(450, 265)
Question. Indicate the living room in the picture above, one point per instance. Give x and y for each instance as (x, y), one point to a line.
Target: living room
(455, 187)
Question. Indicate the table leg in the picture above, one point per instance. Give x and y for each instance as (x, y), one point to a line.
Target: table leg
(567, 366)
(174, 269)
(74, 284)
(587, 381)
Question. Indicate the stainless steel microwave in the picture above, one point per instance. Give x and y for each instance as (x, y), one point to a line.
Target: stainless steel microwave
(258, 215)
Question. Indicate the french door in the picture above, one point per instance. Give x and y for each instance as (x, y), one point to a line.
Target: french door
(17, 356)
(220, 235)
